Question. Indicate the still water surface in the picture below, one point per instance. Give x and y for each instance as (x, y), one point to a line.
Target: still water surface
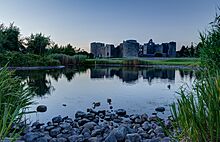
(137, 90)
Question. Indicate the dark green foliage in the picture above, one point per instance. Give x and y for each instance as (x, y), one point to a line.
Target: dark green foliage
(20, 59)
(9, 38)
(210, 46)
(37, 43)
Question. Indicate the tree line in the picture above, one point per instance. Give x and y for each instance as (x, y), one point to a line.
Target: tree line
(11, 40)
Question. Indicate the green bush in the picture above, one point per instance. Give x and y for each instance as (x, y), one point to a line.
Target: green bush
(20, 59)
(14, 98)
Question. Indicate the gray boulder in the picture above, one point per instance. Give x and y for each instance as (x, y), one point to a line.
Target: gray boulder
(135, 137)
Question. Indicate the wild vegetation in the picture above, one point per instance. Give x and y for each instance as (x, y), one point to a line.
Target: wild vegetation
(197, 112)
(139, 61)
(14, 98)
(35, 50)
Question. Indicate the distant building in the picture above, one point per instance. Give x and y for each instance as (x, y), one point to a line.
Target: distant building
(130, 48)
(100, 50)
(97, 49)
(151, 49)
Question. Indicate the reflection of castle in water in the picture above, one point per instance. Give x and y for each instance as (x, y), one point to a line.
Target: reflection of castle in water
(129, 75)
(42, 85)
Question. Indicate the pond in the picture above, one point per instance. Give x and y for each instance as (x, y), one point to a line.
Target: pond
(137, 90)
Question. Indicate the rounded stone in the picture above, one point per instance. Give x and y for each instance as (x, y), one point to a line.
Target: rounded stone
(41, 108)
(160, 109)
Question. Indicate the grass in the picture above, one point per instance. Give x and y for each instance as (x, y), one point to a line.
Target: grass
(140, 61)
(197, 111)
(14, 98)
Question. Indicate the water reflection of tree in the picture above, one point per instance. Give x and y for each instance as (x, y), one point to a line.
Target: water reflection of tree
(39, 80)
(186, 73)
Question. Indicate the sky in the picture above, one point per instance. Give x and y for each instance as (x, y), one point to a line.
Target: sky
(80, 22)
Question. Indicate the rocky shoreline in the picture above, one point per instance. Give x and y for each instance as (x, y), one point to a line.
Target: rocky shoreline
(100, 126)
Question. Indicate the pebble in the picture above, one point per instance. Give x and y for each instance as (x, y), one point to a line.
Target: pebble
(98, 126)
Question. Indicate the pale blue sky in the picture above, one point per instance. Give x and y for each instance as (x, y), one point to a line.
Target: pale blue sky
(80, 22)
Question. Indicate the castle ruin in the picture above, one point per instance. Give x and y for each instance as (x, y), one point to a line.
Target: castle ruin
(131, 48)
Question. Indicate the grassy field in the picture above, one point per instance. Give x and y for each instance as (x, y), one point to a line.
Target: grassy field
(146, 61)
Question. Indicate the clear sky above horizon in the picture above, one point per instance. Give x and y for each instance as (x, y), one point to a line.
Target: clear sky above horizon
(80, 22)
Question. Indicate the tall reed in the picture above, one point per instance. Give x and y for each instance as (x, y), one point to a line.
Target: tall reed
(197, 111)
(14, 98)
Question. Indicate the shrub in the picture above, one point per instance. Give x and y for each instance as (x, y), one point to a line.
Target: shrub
(20, 59)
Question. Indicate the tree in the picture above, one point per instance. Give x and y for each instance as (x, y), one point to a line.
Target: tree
(9, 38)
(37, 43)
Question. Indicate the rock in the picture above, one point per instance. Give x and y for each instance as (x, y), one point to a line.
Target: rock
(134, 116)
(80, 114)
(117, 120)
(160, 109)
(41, 139)
(87, 135)
(133, 137)
(83, 121)
(96, 132)
(120, 133)
(138, 121)
(146, 126)
(54, 132)
(158, 130)
(111, 138)
(85, 130)
(37, 125)
(166, 139)
(90, 116)
(102, 112)
(73, 138)
(65, 126)
(65, 131)
(107, 118)
(61, 140)
(153, 118)
(160, 135)
(120, 112)
(154, 140)
(48, 128)
(93, 139)
(89, 125)
(32, 136)
(69, 120)
(96, 104)
(144, 117)
(57, 119)
(109, 101)
(41, 108)
(53, 140)
(144, 135)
